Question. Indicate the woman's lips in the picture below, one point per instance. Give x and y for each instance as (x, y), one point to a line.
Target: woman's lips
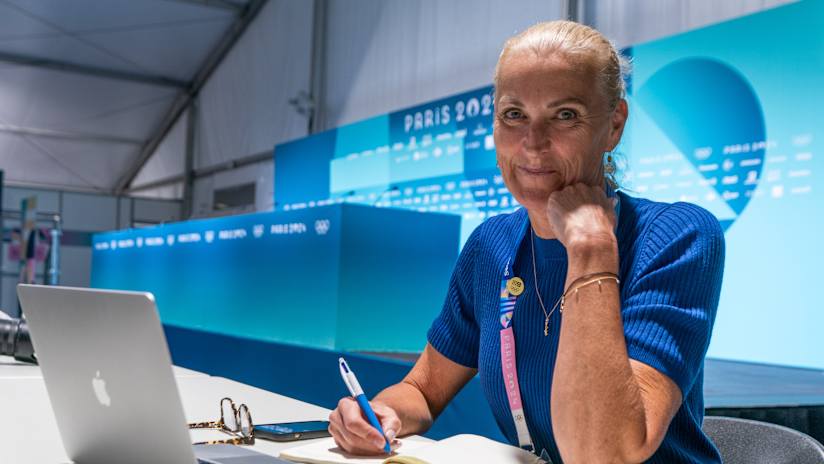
(535, 171)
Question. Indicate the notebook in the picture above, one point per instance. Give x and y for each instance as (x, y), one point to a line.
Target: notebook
(460, 448)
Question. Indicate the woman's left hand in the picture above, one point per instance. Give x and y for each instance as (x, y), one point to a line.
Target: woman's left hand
(582, 215)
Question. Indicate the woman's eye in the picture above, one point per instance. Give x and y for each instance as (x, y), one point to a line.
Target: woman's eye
(513, 114)
(566, 115)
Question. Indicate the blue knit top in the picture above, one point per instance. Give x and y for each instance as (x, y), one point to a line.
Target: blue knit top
(671, 265)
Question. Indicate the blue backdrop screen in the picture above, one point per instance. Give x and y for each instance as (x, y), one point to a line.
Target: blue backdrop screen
(727, 117)
(436, 157)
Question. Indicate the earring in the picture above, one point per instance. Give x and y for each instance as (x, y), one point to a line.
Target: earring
(609, 164)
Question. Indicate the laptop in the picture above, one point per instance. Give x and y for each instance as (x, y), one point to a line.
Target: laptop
(109, 377)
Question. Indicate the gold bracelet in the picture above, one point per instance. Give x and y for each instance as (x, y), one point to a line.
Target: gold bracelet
(588, 279)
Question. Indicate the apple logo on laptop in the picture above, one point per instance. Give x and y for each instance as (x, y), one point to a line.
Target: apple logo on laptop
(99, 386)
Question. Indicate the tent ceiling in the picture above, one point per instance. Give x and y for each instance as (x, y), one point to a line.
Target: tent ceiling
(91, 81)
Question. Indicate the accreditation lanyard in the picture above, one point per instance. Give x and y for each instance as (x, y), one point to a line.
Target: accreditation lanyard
(511, 287)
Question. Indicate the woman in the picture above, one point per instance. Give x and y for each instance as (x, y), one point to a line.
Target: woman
(614, 372)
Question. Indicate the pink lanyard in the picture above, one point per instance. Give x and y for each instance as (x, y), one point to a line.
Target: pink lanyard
(509, 368)
(511, 287)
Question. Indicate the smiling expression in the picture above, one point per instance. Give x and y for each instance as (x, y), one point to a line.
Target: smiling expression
(552, 125)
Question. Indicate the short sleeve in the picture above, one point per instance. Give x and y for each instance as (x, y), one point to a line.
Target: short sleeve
(455, 333)
(670, 303)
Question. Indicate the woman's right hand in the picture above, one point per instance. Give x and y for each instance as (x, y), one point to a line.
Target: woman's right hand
(355, 435)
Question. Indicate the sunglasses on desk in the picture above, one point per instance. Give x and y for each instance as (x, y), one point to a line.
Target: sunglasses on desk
(234, 420)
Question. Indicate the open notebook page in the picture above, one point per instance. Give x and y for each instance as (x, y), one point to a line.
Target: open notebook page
(460, 448)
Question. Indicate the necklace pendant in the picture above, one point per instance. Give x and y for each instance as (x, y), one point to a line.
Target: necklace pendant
(546, 327)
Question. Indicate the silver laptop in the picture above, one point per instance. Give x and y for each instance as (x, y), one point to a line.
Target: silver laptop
(109, 376)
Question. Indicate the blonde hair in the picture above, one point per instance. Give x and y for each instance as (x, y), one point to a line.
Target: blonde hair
(577, 41)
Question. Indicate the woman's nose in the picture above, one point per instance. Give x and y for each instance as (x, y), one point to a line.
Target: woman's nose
(537, 137)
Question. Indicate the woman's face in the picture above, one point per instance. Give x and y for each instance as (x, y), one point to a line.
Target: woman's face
(552, 125)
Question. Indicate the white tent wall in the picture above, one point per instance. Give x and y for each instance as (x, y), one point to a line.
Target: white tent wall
(261, 174)
(628, 22)
(383, 55)
(244, 107)
(169, 192)
(167, 161)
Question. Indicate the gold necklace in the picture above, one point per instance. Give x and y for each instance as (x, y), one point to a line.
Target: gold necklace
(535, 282)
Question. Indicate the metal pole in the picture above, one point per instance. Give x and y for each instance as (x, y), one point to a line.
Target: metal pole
(78, 68)
(54, 262)
(317, 78)
(2, 235)
(572, 12)
(55, 134)
(189, 161)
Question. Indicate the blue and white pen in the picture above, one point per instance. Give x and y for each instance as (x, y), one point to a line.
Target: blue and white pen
(357, 392)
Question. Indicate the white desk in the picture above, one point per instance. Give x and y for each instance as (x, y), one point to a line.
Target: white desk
(12, 369)
(28, 429)
(201, 399)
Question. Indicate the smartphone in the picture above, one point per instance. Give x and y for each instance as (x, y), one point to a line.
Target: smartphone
(291, 431)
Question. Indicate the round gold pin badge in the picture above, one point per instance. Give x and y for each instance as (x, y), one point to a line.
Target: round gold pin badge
(515, 286)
